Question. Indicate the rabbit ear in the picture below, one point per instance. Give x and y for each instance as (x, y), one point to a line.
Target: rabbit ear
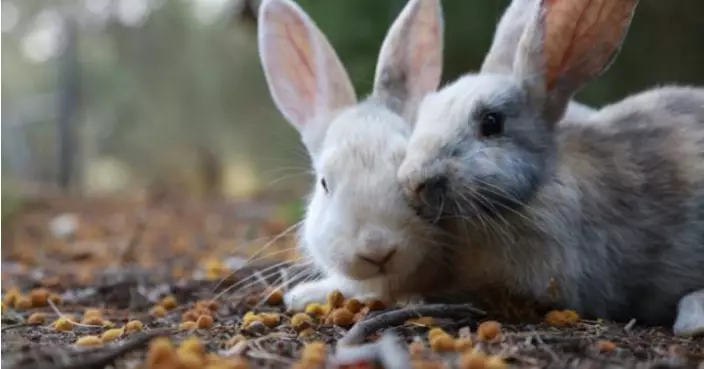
(410, 60)
(566, 44)
(508, 33)
(307, 81)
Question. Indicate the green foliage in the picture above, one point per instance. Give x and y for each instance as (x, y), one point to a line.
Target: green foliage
(156, 93)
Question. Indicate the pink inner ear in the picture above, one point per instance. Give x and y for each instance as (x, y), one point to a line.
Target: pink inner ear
(581, 36)
(289, 52)
(423, 55)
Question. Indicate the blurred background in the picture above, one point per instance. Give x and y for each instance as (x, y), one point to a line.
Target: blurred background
(114, 97)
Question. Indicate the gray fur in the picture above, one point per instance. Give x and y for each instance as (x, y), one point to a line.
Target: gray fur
(610, 205)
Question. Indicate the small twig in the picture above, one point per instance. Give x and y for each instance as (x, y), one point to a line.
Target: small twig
(20, 325)
(368, 326)
(630, 325)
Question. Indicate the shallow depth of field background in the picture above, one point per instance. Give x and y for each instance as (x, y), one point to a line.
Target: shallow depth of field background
(114, 97)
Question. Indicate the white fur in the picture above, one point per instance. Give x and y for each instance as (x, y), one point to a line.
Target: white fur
(356, 148)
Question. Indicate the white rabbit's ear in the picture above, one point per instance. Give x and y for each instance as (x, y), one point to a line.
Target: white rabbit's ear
(307, 81)
(410, 60)
(566, 44)
(508, 33)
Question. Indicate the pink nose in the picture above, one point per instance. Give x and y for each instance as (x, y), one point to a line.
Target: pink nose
(378, 260)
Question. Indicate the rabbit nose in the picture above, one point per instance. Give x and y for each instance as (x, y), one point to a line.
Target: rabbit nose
(431, 190)
(378, 259)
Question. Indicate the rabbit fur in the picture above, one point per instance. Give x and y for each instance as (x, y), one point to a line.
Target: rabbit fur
(609, 204)
(358, 231)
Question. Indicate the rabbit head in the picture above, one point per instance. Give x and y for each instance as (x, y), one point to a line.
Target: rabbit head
(357, 223)
(484, 144)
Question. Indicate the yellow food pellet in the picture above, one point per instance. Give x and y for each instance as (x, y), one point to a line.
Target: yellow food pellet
(111, 334)
(55, 299)
(314, 309)
(442, 343)
(270, 320)
(37, 318)
(326, 309)
(187, 326)
(463, 344)
(274, 296)
(161, 352)
(93, 312)
(11, 297)
(204, 322)
(158, 311)
(353, 305)
(211, 305)
(571, 316)
(314, 352)
(190, 360)
(63, 324)
(23, 303)
(489, 331)
(336, 299)
(89, 341)
(561, 318)
(473, 360)
(169, 302)
(193, 344)
(605, 345)
(436, 332)
(495, 362)
(375, 304)
(108, 324)
(308, 332)
(189, 316)
(231, 363)
(342, 317)
(92, 320)
(39, 297)
(301, 321)
(133, 326)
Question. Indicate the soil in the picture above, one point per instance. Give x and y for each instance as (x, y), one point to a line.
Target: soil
(124, 256)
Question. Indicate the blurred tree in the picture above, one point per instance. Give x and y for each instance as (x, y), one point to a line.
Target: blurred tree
(173, 90)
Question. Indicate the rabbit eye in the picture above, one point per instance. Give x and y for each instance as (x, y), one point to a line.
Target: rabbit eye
(324, 184)
(492, 124)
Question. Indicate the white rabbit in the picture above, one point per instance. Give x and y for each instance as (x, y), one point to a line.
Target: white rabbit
(610, 204)
(358, 229)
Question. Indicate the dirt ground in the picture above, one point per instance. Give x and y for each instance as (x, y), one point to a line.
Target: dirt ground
(93, 283)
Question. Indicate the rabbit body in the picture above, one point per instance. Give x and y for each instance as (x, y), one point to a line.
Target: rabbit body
(608, 204)
(358, 231)
(614, 213)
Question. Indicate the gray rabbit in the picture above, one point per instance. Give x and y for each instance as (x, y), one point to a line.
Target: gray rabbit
(607, 203)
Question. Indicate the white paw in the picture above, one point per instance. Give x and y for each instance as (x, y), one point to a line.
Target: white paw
(306, 293)
(690, 315)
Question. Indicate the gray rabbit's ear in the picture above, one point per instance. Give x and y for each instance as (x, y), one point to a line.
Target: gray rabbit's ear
(508, 33)
(410, 60)
(307, 81)
(566, 44)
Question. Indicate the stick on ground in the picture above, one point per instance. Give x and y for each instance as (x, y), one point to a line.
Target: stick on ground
(361, 330)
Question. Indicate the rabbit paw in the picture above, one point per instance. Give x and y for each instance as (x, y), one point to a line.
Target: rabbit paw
(318, 291)
(306, 293)
(690, 315)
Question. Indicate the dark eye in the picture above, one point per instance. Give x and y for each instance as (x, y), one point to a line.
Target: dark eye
(324, 184)
(492, 123)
